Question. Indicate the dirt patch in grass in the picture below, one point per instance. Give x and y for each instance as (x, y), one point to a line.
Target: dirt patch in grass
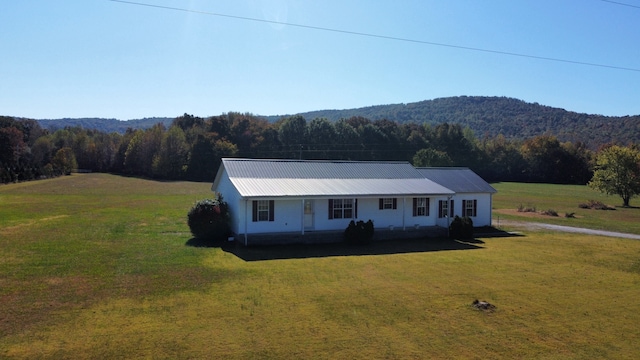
(536, 215)
(176, 279)
(8, 230)
(39, 303)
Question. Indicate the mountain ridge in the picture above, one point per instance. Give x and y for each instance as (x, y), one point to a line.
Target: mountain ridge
(510, 117)
(484, 115)
(104, 124)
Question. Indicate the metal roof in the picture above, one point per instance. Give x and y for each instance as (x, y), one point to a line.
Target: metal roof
(460, 180)
(318, 169)
(299, 178)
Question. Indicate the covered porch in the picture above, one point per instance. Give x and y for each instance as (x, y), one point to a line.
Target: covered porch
(335, 236)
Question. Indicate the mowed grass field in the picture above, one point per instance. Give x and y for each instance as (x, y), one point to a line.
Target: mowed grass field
(565, 199)
(97, 266)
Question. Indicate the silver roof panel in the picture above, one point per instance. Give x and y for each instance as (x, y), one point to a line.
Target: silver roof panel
(460, 180)
(318, 169)
(251, 187)
(300, 178)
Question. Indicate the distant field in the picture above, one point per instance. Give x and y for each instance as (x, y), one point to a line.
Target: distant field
(95, 266)
(565, 199)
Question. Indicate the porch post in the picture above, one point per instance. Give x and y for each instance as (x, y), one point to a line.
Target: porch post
(353, 209)
(302, 216)
(449, 213)
(246, 207)
(490, 212)
(404, 204)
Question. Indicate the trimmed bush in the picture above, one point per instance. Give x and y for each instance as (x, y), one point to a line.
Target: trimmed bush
(550, 212)
(359, 233)
(209, 219)
(528, 208)
(596, 205)
(461, 228)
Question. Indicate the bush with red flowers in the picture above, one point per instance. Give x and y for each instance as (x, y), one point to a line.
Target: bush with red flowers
(209, 219)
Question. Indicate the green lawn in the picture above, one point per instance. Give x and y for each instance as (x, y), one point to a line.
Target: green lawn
(96, 266)
(565, 199)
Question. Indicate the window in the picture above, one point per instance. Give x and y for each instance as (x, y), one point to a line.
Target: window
(445, 206)
(387, 203)
(469, 208)
(343, 208)
(263, 210)
(420, 206)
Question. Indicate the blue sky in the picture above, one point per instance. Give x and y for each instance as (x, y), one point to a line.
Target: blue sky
(100, 58)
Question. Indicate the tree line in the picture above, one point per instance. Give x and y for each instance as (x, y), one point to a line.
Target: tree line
(191, 148)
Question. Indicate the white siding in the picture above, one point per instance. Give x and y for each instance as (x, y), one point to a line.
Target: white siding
(398, 218)
(287, 218)
(232, 197)
(288, 213)
(368, 209)
(483, 211)
(321, 219)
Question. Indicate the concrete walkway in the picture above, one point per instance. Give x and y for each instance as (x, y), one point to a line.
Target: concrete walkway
(570, 229)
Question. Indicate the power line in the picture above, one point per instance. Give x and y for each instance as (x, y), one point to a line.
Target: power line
(385, 37)
(621, 3)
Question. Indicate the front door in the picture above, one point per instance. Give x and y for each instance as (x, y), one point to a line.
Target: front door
(308, 214)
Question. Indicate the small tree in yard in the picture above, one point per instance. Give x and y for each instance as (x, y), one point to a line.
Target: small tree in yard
(617, 172)
(209, 219)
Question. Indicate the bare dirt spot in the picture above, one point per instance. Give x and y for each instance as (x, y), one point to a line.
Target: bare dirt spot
(529, 214)
(11, 229)
(33, 305)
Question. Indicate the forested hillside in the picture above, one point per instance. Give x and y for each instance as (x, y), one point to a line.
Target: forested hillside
(502, 139)
(513, 118)
(105, 125)
(192, 147)
(485, 116)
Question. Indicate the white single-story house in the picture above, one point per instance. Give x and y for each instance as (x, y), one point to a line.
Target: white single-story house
(473, 196)
(303, 196)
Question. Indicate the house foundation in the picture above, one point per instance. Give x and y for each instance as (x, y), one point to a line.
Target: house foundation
(327, 237)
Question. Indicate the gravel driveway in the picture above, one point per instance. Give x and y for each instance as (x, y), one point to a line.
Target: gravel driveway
(571, 229)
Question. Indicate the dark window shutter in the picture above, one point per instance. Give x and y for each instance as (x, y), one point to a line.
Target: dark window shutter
(380, 204)
(440, 202)
(451, 211)
(395, 203)
(426, 204)
(271, 208)
(464, 208)
(415, 206)
(255, 211)
(330, 208)
(355, 205)
(475, 208)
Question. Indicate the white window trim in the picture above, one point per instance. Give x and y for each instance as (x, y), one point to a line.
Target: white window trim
(422, 207)
(387, 203)
(263, 210)
(444, 208)
(342, 206)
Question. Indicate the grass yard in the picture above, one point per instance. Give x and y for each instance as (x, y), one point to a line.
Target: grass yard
(96, 266)
(565, 199)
